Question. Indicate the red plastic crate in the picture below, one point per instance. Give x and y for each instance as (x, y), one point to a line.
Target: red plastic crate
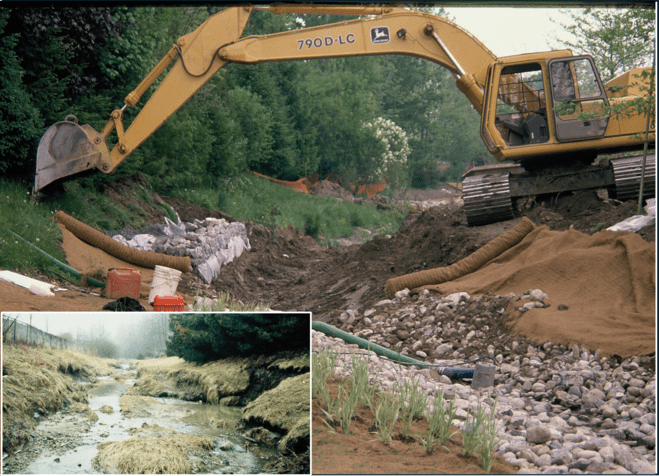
(123, 282)
(168, 303)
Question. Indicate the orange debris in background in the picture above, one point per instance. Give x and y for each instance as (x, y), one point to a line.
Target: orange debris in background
(299, 185)
(372, 189)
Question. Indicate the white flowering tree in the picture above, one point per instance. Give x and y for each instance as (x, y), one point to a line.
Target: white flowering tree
(391, 165)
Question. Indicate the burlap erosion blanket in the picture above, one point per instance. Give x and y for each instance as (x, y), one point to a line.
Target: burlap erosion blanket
(607, 282)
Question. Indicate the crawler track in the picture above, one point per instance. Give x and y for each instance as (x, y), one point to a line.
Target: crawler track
(490, 191)
(487, 198)
(628, 174)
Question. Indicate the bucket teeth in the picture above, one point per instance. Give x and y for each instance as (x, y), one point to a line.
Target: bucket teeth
(65, 149)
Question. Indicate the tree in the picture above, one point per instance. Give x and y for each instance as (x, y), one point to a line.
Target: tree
(104, 348)
(20, 120)
(334, 103)
(205, 337)
(618, 38)
(391, 163)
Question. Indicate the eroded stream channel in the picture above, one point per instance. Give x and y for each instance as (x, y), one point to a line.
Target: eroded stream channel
(67, 442)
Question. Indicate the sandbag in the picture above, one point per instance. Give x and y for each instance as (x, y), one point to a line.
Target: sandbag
(147, 259)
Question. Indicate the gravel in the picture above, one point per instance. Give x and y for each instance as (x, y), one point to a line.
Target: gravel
(562, 409)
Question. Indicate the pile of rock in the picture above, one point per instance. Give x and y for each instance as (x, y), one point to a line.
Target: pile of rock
(210, 243)
(561, 410)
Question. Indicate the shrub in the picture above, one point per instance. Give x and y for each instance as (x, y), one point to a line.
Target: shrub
(202, 338)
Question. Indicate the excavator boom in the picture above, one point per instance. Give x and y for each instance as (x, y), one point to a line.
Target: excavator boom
(68, 148)
(546, 109)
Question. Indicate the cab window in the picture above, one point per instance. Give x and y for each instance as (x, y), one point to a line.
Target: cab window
(521, 108)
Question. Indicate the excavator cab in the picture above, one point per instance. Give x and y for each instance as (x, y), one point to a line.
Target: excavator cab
(540, 102)
(521, 114)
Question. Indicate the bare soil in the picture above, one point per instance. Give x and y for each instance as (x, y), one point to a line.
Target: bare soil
(289, 271)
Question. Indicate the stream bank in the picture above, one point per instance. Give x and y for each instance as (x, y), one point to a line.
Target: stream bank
(115, 424)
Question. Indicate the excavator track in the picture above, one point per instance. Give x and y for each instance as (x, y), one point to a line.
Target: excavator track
(489, 191)
(487, 198)
(628, 172)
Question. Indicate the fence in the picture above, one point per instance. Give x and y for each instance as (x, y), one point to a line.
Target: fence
(15, 331)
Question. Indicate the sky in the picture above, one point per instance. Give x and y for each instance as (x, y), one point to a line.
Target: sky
(59, 323)
(512, 30)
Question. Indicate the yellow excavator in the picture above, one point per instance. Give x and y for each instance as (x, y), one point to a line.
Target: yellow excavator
(544, 115)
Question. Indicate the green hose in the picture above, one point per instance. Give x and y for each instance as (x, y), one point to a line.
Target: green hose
(91, 281)
(384, 352)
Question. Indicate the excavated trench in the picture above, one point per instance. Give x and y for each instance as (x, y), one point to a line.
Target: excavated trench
(63, 452)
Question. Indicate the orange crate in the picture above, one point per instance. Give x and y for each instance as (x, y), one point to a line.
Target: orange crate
(123, 282)
(168, 303)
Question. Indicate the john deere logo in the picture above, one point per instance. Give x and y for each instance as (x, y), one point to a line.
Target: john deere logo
(380, 34)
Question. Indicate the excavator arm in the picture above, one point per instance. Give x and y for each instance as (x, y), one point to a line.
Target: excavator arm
(68, 148)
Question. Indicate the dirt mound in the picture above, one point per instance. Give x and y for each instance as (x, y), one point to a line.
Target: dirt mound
(188, 212)
(326, 188)
(288, 270)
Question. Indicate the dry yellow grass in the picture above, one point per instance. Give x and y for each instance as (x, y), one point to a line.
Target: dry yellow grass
(214, 379)
(147, 385)
(300, 363)
(150, 431)
(36, 381)
(83, 408)
(286, 407)
(157, 365)
(165, 455)
(217, 379)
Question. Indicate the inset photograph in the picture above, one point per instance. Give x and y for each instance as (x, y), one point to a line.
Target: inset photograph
(156, 393)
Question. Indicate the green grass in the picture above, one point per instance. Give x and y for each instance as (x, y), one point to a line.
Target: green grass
(265, 203)
(34, 221)
(405, 402)
(246, 197)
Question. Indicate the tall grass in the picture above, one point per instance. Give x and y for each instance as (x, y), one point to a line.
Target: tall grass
(265, 203)
(387, 410)
(412, 403)
(34, 220)
(323, 367)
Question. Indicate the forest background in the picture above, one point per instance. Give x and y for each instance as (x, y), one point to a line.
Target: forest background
(285, 119)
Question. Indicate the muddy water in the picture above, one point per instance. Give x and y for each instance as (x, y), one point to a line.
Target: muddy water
(215, 421)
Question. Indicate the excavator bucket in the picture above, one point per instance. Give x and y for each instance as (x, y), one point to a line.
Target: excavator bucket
(67, 149)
